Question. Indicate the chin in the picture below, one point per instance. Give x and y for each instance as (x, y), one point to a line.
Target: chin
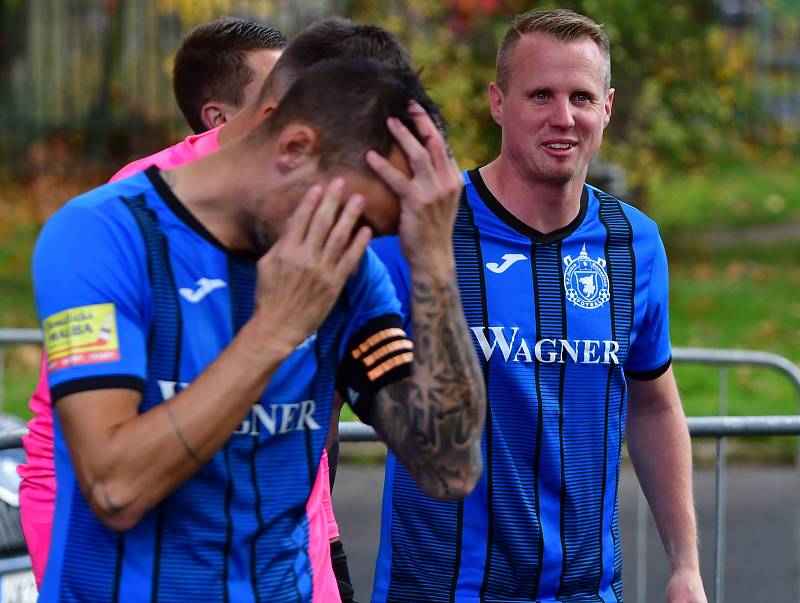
(557, 176)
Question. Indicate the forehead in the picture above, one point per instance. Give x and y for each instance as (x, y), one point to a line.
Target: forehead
(262, 61)
(541, 60)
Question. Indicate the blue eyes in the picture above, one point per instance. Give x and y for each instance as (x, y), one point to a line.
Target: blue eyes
(580, 97)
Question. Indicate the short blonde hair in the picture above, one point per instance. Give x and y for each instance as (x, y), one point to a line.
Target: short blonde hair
(562, 24)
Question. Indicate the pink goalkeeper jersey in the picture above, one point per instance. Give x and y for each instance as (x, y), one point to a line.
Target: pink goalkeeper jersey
(38, 488)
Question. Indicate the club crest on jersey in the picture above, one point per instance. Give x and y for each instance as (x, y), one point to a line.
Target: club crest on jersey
(586, 281)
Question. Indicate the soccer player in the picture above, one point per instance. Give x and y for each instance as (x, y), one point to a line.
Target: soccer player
(218, 68)
(565, 293)
(197, 327)
(329, 38)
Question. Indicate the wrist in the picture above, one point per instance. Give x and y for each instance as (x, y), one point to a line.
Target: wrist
(432, 268)
(688, 562)
(267, 340)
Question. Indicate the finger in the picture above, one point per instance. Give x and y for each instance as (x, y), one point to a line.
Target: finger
(418, 156)
(435, 143)
(352, 255)
(323, 218)
(342, 231)
(297, 224)
(393, 177)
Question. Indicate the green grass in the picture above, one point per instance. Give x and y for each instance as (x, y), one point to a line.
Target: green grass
(738, 298)
(728, 195)
(18, 231)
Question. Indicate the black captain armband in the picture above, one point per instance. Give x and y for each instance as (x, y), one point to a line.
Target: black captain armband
(379, 354)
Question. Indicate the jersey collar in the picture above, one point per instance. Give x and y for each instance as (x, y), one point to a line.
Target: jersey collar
(188, 218)
(518, 225)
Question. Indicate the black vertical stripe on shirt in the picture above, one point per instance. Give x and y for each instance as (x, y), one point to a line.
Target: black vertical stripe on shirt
(174, 331)
(562, 502)
(226, 551)
(539, 428)
(620, 259)
(164, 339)
(471, 278)
(118, 566)
(242, 279)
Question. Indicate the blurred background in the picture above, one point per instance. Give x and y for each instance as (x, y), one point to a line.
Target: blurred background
(705, 137)
(706, 130)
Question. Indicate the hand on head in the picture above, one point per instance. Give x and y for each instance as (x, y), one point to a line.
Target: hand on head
(303, 273)
(429, 195)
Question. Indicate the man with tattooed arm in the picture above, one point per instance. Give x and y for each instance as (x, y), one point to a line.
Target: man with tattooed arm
(198, 327)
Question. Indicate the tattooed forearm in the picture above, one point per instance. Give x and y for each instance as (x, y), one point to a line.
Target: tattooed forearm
(433, 421)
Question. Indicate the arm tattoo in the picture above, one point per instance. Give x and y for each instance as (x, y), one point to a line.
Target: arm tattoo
(433, 421)
(192, 454)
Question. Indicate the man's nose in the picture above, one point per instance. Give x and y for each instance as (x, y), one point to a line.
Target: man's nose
(561, 115)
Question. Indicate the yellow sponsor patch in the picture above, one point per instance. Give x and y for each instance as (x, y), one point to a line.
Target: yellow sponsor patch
(83, 335)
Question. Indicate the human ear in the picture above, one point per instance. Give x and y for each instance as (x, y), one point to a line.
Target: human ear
(297, 144)
(267, 109)
(607, 106)
(496, 103)
(214, 114)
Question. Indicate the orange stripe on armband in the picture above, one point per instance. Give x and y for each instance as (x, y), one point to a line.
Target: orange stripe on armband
(386, 366)
(389, 348)
(375, 339)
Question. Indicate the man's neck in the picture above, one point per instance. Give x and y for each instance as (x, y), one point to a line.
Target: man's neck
(544, 206)
(210, 189)
(240, 124)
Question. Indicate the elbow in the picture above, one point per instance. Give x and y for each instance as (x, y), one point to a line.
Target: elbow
(118, 522)
(117, 508)
(457, 481)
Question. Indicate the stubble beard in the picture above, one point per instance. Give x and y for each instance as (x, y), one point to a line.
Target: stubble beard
(551, 175)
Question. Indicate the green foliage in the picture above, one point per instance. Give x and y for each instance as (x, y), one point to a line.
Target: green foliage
(684, 86)
(726, 195)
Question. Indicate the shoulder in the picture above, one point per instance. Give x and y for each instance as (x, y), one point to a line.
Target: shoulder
(97, 219)
(642, 226)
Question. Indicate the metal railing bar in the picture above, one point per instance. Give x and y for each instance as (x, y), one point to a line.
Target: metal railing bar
(715, 427)
(20, 336)
(739, 357)
(698, 427)
(12, 438)
(719, 521)
(10, 565)
(744, 426)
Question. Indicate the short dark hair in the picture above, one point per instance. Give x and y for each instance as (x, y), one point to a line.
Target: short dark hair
(211, 63)
(561, 24)
(365, 93)
(334, 38)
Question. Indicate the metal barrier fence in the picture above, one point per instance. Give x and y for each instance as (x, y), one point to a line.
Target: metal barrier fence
(720, 427)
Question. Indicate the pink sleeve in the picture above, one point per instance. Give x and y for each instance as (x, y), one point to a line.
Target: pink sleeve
(320, 513)
(134, 167)
(37, 491)
(327, 501)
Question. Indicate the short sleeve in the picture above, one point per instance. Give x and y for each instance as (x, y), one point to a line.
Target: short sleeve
(388, 251)
(376, 350)
(651, 350)
(90, 298)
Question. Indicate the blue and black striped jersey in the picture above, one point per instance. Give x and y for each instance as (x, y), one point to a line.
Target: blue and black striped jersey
(558, 321)
(135, 293)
